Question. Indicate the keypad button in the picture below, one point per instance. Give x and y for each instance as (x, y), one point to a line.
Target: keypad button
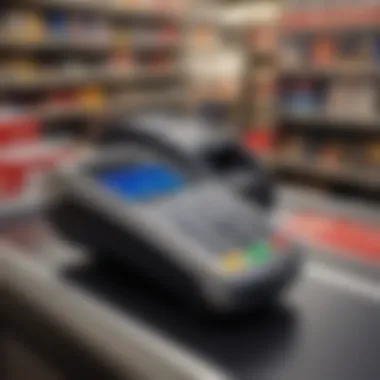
(259, 253)
(233, 262)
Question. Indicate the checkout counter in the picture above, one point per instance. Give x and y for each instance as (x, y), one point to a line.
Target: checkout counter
(64, 327)
(70, 314)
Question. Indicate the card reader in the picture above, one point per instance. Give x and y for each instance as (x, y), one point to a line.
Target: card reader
(211, 148)
(186, 232)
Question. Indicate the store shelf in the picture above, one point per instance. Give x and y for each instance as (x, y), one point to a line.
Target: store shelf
(314, 120)
(332, 30)
(106, 8)
(357, 176)
(121, 104)
(332, 72)
(87, 46)
(126, 103)
(352, 77)
(105, 76)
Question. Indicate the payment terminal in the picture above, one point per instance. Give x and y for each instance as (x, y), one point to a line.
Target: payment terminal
(178, 227)
(212, 148)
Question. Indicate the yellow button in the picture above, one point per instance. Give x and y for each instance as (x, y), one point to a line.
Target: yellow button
(233, 262)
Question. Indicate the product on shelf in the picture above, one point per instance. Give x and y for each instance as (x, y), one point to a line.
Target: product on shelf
(337, 99)
(92, 97)
(34, 29)
(354, 49)
(121, 59)
(121, 36)
(331, 154)
(74, 68)
(261, 140)
(89, 29)
(21, 69)
(303, 98)
(57, 24)
(366, 100)
(22, 25)
(323, 51)
(355, 99)
(373, 153)
(62, 99)
(169, 34)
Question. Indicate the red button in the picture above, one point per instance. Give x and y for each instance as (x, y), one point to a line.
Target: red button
(280, 242)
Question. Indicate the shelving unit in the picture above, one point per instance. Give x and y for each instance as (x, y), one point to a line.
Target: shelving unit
(331, 72)
(329, 94)
(60, 80)
(32, 43)
(116, 105)
(319, 121)
(67, 65)
(86, 46)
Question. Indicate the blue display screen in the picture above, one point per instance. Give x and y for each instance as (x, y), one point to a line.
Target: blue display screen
(143, 182)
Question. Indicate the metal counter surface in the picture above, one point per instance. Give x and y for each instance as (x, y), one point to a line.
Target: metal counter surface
(327, 328)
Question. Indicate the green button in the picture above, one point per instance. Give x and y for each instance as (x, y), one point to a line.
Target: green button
(259, 253)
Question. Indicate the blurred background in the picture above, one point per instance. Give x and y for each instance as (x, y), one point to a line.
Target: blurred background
(296, 79)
